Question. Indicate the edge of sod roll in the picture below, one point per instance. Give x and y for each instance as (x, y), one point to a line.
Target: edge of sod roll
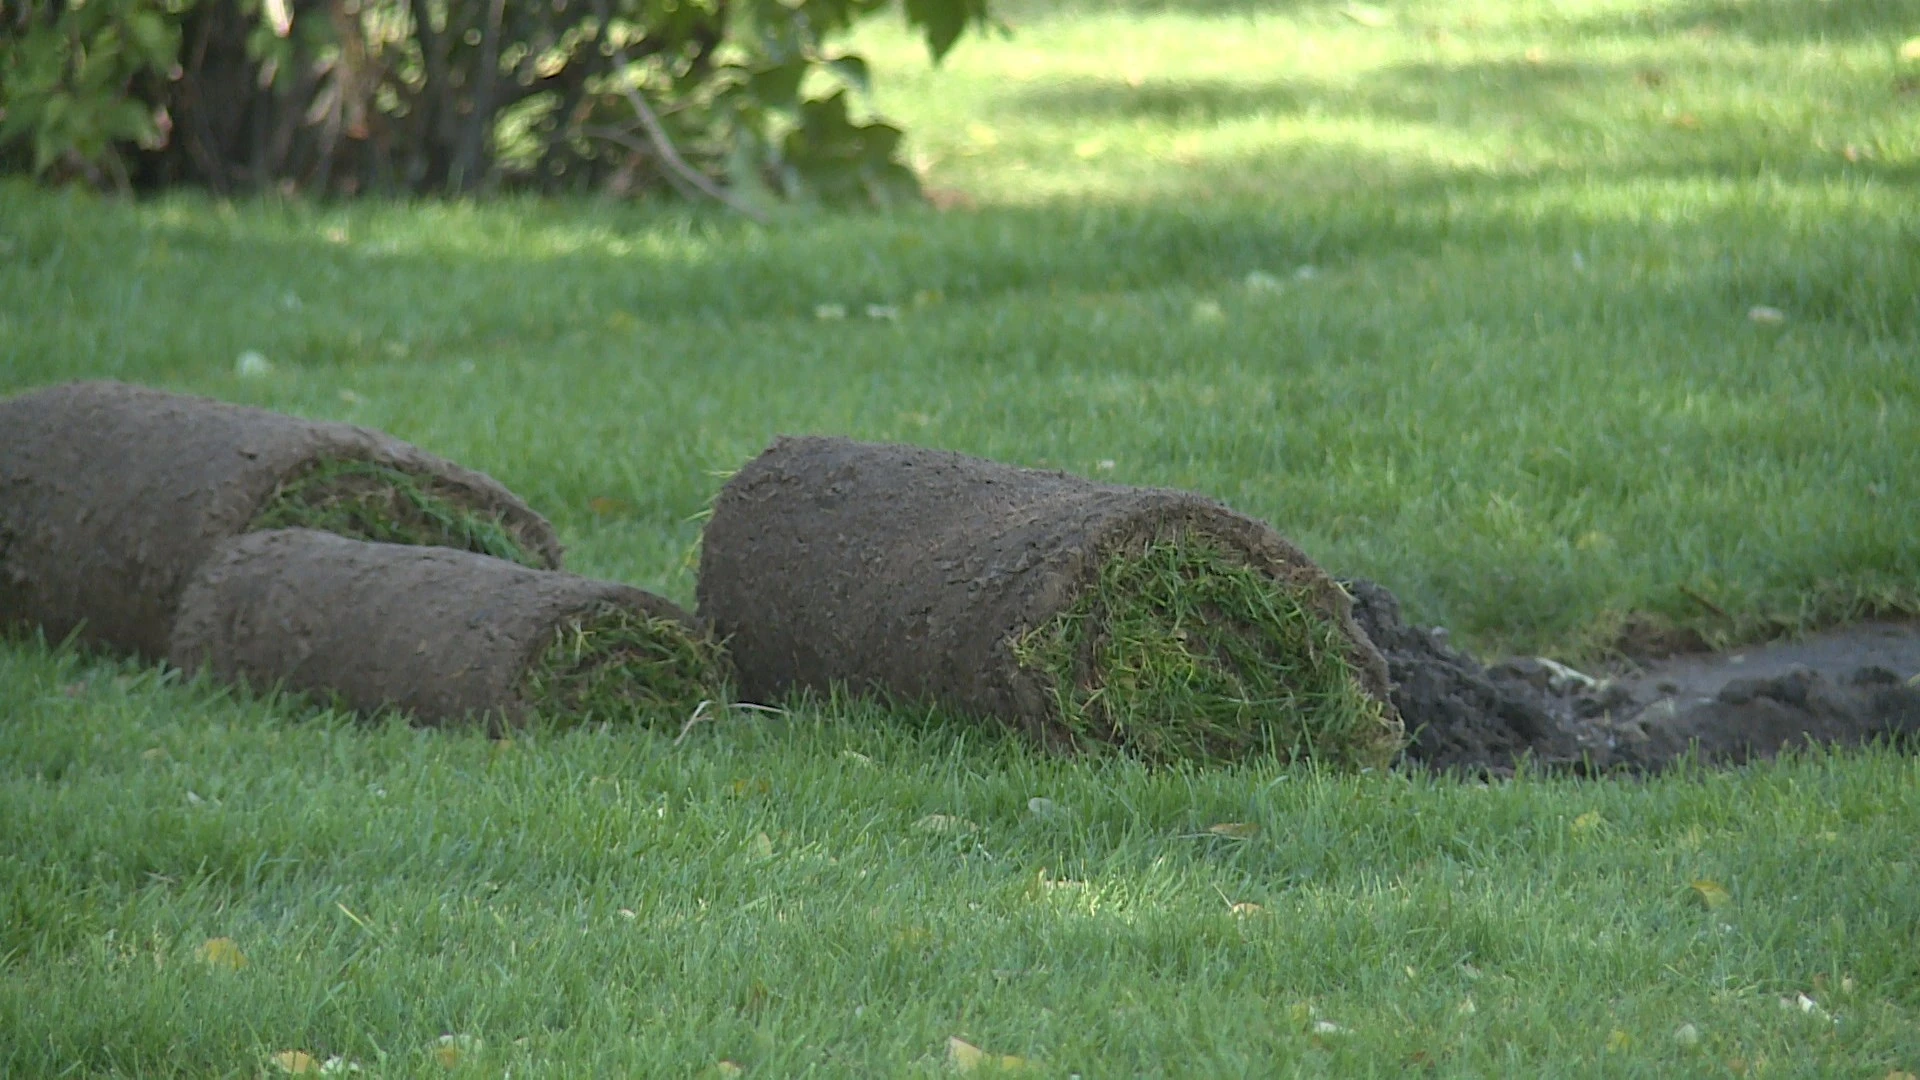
(445, 636)
(371, 500)
(111, 495)
(930, 576)
(611, 663)
(1177, 649)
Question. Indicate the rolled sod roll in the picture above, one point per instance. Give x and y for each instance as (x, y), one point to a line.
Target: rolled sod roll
(444, 635)
(1078, 612)
(112, 495)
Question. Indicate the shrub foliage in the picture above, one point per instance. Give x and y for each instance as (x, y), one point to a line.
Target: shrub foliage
(454, 96)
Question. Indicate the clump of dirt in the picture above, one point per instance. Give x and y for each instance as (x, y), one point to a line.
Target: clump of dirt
(1039, 599)
(1845, 687)
(443, 635)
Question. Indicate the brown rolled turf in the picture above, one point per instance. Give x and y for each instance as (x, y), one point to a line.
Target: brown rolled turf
(919, 573)
(443, 635)
(111, 495)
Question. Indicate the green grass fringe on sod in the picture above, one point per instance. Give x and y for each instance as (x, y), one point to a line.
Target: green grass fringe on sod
(1180, 651)
(615, 664)
(368, 500)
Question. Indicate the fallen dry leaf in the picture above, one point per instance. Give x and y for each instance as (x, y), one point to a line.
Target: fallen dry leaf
(723, 1067)
(1711, 893)
(607, 506)
(295, 1061)
(1235, 830)
(1588, 822)
(1910, 49)
(1328, 1027)
(944, 823)
(1686, 1035)
(451, 1050)
(1618, 1040)
(222, 952)
(966, 1057)
(1243, 909)
(761, 847)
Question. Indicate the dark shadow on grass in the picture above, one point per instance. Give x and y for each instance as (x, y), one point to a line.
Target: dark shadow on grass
(1770, 22)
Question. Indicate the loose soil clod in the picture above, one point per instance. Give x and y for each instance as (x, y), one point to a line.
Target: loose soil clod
(444, 635)
(111, 495)
(1079, 612)
(1466, 717)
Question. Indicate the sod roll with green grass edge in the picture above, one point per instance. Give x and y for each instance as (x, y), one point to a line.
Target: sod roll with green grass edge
(1081, 613)
(111, 496)
(446, 636)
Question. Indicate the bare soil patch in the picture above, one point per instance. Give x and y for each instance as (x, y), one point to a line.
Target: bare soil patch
(1842, 687)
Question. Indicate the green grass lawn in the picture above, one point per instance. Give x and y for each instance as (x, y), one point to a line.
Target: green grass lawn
(1458, 295)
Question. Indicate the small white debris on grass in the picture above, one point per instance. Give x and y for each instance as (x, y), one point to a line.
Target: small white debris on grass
(1328, 1027)
(1766, 316)
(1686, 1035)
(884, 312)
(1261, 281)
(829, 312)
(252, 365)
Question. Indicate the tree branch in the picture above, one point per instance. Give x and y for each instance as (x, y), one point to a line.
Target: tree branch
(657, 135)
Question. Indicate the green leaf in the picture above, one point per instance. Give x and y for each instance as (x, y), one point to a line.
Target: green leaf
(852, 70)
(943, 21)
(153, 38)
(778, 86)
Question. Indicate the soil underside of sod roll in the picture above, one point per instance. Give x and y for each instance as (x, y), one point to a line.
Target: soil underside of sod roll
(1042, 600)
(444, 635)
(1179, 651)
(367, 500)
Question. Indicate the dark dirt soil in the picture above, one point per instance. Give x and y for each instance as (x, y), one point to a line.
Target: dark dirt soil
(112, 495)
(444, 635)
(1843, 687)
(910, 571)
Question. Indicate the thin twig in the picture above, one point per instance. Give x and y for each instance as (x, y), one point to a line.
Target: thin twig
(657, 135)
(699, 713)
(1697, 598)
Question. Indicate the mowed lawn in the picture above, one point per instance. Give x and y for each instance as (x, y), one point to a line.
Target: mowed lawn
(1545, 316)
